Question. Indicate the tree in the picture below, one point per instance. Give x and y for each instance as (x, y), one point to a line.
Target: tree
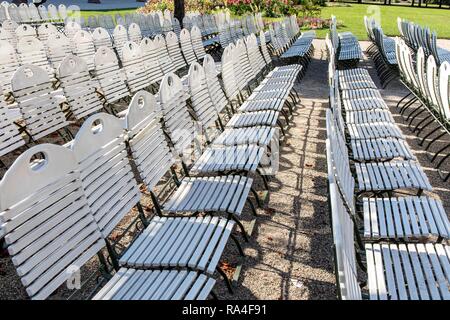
(179, 10)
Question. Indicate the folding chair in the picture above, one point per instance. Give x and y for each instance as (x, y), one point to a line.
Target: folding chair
(120, 37)
(9, 63)
(174, 50)
(32, 51)
(101, 38)
(133, 66)
(134, 33)
(186, 46)
(151, 62)
(58, 46)
(84, 47)
(165, 61)
(78, 87)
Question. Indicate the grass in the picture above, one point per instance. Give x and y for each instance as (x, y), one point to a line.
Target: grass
(351, 17)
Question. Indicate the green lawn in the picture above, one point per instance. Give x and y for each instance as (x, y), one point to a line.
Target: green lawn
(352, 15)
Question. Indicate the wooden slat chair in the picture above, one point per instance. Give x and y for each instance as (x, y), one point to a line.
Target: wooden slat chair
(186, 46)
(134, 33)
(181, 131)
(71, 28)
(173, 47)
(46, 222)
(151, 61)
(230, 85)
(58, 46)
(101, 38)
(395, 271)
(7, 36)
(165, 61)
(197, 44)
(10, 136)
(62, 11)
(93, 23)
(106, 175)
(24, 31)
(106, 21)
(301, 47)
(132, 284)
(11, 26)
(43, 13)
(32, 51)
(120, 37)
(212, 81)
(38, 102)
(9, 63)
(176, 26)
(23, 12)
(110, 76)
(378, 177)
(157, 25)
(133, 67)
(120, 20)
(78, 87)
(34, 13)
(53, 13)
(168, 242)
(166, 26)
(411, 218)
(372, 140)
(84, 47)
(44, 30)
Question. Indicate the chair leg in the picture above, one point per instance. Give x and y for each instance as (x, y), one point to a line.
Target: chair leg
(226, 279)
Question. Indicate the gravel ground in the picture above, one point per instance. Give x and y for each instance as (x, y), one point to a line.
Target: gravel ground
(289, 255)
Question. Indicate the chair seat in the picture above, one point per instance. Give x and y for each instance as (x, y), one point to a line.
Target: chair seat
(354, 72)
(405, 218)
(408, 271)
(259, 105)
(362, 100)
(210, 194)
(195, 242)
(391, 175)
(132, 284)
(268, 95)
(256, 118)
(369, 116)
(261, 136)
(230, 158)
(374, 130)
(380, 149)
(352, 82)
(271, 86)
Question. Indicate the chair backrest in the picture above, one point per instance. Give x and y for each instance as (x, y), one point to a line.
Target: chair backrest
(71, 28)
(109, 75)
(202, 103)
(244, 62)
(24, 31)
(133, 66)
(101, 38)
(78, 86)
(212, 81)
(44, 30)
(174, 50)
(148, 146)
(24, 12)
(197, 43)
(10, 138)
(134, 33)
(34, 94)
(177, 121)
(58, 47)
(343, 238)
(107, 178)
(186, 46)
(9, 63)
(254, 56)
(5, 35)
(92, 22)
(32, 51)
(48, 227)
(62, 11)
(120, 36)
(341, 165)
(228, 74)
(421, 76)
(43, 13)
(150, 59)
(84, 47)
(263, 46)
(432, 81)
(239, 72)
(444, 90)
(165, 61)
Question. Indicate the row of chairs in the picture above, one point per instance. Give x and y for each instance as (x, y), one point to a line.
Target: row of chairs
(90, 184)
(382, 52)
(25, 13)
(345, 45)
(428, 101)
(416, 36)
(282, 35)
(400, 247)
(82, 89)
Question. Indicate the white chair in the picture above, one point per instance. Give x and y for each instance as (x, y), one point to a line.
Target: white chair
(32, 51)
(78, 87)
(133, 66)
(84, 47)
(9, 63)
(101, 38)
(173, 47)
(186, 46)
(165, 61)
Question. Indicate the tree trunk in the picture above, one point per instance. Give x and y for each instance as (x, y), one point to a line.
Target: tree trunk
(179, 10)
